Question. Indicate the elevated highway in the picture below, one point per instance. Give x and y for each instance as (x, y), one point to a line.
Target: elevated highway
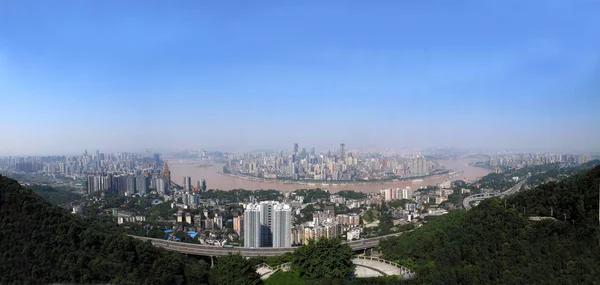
(480, 197)
(209, 250)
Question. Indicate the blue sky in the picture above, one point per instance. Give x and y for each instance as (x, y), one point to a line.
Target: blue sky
(130, 75)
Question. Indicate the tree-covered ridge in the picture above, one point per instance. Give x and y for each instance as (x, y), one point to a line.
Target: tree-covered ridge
(43, 244)
(495, 243)
(58, 196)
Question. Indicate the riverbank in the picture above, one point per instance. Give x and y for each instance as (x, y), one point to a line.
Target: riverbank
(218, 180)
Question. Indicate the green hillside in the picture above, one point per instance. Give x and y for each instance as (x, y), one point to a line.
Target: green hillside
(41, 244)
(496, 243)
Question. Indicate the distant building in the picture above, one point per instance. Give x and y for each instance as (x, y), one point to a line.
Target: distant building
(187, 183)
(167, 173)
(141, 185)
(396, 193)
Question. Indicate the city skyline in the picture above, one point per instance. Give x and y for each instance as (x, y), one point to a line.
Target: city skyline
(117, 76)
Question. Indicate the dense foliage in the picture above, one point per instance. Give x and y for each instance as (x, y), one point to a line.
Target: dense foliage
(324, 258)
(312, 195)
(233, 270)
(350, 194)
(241, 195)
(58, 196)
(495, 243)
(41, 243)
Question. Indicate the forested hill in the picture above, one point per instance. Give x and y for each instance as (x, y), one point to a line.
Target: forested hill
(497, 243)
(41, 243)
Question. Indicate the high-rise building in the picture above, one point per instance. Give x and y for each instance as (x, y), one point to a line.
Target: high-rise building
(141, 185)
(282, 225)
(160, 185)
(203, 185)
(167, 173)
(187, 183)
(252, 226)
(342, 153)
(267, 224)
(157, 160)
(296, 148)
(266, 218)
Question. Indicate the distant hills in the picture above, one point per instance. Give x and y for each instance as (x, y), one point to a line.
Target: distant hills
(496, 243)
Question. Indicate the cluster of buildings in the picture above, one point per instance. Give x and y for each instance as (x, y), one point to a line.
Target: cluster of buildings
(127, 184)
(519, 160)
(331, 166)
(396, 193)
(79, 166)
(325, 224)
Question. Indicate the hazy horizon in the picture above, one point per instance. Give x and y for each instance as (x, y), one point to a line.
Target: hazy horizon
(127, 76)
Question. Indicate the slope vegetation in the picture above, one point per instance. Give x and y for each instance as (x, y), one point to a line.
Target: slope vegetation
(496, 243)
(41, 244)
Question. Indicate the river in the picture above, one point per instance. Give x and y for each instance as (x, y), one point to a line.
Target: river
(216, 180)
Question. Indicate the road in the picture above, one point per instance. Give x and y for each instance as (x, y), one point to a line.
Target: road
(208, 250)
(479, 197)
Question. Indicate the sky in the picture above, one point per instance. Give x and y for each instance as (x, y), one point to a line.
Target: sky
(171, 75)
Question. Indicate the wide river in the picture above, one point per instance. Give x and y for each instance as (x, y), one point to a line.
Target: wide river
(216, 180)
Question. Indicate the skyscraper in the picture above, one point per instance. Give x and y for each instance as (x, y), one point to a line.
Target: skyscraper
(187, 183)
(130, 185)
(342, 153)
(141, 185)
(167, 173)
(296, 148)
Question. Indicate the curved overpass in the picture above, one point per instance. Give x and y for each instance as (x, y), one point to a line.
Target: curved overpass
(209, 250)
(480, 197)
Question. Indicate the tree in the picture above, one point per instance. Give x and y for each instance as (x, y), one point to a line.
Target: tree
(233, 269)
(325, 258)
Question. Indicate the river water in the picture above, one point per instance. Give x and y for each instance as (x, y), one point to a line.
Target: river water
(216, 180)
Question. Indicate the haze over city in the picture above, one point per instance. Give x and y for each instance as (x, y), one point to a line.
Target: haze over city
(119, 76)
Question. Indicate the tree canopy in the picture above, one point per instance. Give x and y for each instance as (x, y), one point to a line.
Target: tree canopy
(233, 269)
(324, 258)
